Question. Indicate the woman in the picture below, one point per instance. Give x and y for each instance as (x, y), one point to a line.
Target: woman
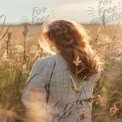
(64, 81)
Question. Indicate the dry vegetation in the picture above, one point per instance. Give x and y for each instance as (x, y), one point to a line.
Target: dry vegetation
(19, 48)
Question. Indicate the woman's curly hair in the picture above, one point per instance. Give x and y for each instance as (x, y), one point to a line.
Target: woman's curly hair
(71, 40)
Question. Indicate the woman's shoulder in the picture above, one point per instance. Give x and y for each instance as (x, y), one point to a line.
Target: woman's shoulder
(43, 63)
(48, 60)
(95, 77)
(45, 59)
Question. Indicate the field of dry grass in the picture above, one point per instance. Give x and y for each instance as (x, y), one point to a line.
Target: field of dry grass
(19, 48)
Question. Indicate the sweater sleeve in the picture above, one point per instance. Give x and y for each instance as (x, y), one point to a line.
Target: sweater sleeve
(37, 80)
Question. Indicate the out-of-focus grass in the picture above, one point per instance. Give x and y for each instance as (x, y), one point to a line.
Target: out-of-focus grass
(107, 42)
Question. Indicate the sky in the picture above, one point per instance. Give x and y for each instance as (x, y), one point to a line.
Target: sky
(36, 11)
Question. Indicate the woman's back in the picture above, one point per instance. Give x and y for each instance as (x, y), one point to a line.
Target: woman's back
(66, 95)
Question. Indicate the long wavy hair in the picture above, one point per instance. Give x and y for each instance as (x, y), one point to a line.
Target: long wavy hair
(72, 42)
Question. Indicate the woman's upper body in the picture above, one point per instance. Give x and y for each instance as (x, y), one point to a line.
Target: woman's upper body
(64, 82)
(64, 93)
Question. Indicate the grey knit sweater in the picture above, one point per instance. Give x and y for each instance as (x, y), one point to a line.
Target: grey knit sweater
(53, 80)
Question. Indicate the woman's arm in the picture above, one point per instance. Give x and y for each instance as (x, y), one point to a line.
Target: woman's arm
(36, 82)
(35, 93)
